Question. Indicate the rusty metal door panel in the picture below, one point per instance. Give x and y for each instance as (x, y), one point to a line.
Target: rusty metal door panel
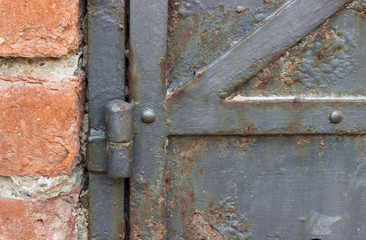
(212, 91)
(266, 187)
(250, 119)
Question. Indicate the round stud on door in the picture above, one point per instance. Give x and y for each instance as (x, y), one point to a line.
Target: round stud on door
(336, 117)
(148, 116)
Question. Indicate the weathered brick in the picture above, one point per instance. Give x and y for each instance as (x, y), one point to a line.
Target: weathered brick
(52, 218)
(39, 28)
(39, 126)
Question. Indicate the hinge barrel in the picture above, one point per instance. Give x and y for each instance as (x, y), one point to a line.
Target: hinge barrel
(119, 117)
(119, 157)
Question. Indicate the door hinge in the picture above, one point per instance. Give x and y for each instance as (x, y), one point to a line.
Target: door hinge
(119, 118)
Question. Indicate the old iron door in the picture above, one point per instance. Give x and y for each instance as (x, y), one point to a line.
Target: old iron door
(251, 119)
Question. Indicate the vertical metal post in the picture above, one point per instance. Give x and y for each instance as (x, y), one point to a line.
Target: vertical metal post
(106, 81)
(148, 42)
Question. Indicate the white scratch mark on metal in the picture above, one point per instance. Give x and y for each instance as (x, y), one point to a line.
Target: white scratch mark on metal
(321, 224)
(300, 98)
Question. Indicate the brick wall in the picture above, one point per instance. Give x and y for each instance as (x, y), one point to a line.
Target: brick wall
(41, 109)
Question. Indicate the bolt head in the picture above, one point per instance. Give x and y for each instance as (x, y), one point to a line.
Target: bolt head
(148, 116)
(336, 117)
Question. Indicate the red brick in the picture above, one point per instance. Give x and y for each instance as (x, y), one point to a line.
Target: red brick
(53, 218)
(39, 126)
(38, 28)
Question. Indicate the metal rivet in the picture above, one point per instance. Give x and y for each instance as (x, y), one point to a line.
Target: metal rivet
(336, 117)
(148, 116)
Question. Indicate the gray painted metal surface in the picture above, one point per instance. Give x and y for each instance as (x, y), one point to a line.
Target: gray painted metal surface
(148, 37)
(266, 187)
(106, 82)
(273, 160)
(205, 94)
(120, 159)
(96, 152)
(106, 60)
(106, 207)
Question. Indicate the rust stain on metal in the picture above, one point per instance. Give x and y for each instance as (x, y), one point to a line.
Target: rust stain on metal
(157, 229)
(123, 229)
(177, 93)
(165, 66)
(203, 230)
(243, 143)
(147, 225)
(301, 141)
(249, 183)
(133, 76)
(303, 222)
(182, 168)
(121, 107)
(216, 218)
(247, 226)
(201, 172)
(224, 217)
(359, 6)
(136, 230)
(250, 129)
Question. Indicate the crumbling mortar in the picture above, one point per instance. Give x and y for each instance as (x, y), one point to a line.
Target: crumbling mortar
(62, 69)
(39, 187)
(81, 229)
